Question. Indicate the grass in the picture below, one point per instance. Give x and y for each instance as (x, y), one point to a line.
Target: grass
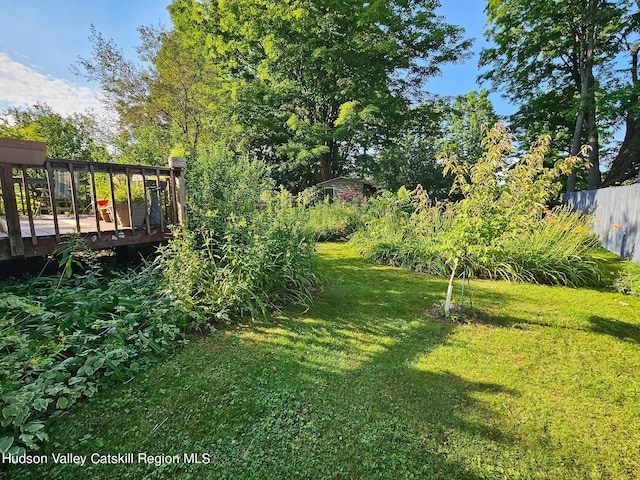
(366, 384)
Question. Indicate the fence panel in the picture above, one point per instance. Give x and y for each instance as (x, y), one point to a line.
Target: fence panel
(615, 215)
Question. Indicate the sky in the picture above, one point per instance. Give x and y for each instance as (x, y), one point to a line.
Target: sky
(41, 40)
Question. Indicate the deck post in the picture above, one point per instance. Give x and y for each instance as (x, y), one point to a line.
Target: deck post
(32, 227)
(177, 165)
(11, 209)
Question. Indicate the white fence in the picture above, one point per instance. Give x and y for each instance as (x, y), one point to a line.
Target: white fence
(616, 217)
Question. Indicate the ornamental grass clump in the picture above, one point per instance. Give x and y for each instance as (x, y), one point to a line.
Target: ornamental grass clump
(502, 228)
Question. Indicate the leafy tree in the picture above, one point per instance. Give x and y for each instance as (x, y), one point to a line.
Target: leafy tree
(624, 100)
(412, 159)
(74, 137)
(465, 126)
(170, 92)
(319, 83)
(543, 46)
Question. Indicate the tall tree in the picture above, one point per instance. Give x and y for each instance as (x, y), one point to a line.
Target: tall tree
(626, 101)
(543, 46)
(169, 88)
(74, 137)
(466, 124)
(412, 158)
(319, 82)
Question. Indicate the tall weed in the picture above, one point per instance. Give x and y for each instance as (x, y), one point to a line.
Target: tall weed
(253, 265)
(628, 281)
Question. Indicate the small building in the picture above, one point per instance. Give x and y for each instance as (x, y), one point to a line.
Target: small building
(335, 187)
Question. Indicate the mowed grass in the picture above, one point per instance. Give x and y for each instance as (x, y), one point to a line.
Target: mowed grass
(366, 384)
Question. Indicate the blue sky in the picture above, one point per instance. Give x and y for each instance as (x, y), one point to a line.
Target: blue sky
(41, 39)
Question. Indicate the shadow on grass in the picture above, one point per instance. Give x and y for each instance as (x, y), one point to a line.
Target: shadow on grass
(358, 361)
(337, 392)
(621, 330)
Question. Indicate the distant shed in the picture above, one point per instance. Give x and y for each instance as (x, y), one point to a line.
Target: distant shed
(334, 187)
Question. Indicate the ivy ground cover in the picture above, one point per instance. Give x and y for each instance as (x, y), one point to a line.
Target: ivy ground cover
(368, 384)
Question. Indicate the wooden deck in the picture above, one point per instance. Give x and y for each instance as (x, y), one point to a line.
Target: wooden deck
(45, 227)
(32, 185)
(97, 237)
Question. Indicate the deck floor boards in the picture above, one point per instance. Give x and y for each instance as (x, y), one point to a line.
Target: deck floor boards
(67, 224)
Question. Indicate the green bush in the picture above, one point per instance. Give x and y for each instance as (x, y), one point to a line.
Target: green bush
(223, 183)
(628, 281)
(254, 265)
(64, 338)
(404, 230)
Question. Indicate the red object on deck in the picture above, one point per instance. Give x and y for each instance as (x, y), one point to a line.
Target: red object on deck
(102, 203)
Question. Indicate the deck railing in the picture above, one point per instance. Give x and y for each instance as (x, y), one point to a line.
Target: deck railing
(111, 204)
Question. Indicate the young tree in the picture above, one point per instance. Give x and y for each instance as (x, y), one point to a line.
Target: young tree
(318, 81)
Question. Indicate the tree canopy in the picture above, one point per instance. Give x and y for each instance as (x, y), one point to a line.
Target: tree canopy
(327, 88)
(554, 59)
(74, 137)
(319, 83)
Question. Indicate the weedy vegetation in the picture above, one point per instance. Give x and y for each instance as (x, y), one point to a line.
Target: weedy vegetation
(63, 338)
(367, 384)
(501, 229)
(538, 380)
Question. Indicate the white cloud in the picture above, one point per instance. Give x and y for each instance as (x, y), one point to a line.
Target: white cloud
(22, 86)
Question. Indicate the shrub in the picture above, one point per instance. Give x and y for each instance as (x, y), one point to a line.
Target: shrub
(64, 338)
(628, 281)
(558, 252)
(220, 181)
(254, 265)
(404, 230)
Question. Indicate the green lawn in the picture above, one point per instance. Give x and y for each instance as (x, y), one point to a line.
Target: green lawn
(365, 384)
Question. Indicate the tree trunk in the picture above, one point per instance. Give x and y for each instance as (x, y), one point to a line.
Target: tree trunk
(586, 112)
(627, 161)
(325, 166)
(594, 177)
(327, 162)
(575, 149)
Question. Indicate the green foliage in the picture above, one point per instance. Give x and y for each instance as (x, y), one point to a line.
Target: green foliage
(120, 191)
(501, 228)
(501, 198)
(65, 338)
(628, 280)
(570, 48)
(412, 158)
(251, 266)
(221, 183)
(335, 221)
(318, 81)
(75, 137)
(465, 124)
(405, 230)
